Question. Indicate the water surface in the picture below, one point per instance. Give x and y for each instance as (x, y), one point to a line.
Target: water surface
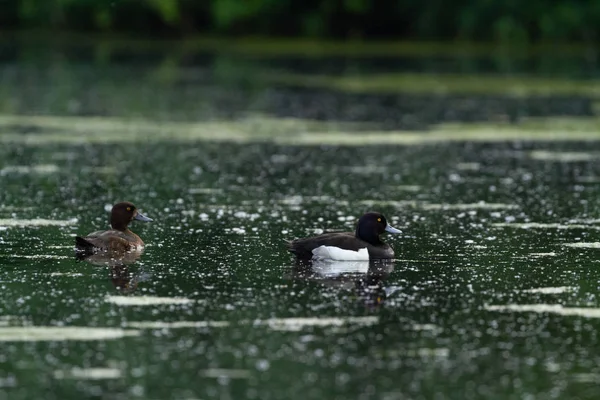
(493, 293)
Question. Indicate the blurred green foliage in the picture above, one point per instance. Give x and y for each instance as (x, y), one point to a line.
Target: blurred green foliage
(504, 21)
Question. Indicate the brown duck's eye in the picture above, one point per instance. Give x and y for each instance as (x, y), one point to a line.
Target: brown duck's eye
(378, 219)
(128, 208)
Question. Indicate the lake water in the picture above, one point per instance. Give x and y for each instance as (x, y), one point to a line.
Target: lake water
(494, 292)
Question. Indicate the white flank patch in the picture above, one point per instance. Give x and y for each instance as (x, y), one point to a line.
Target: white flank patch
(583, 245)
(61, 333)
(297, 324)
(548, 308)
(37, 222)
(225, 373)
(177, 324)
(331, 267)
(335, 253)
(551, 290)
(146, 300)
(89, 373)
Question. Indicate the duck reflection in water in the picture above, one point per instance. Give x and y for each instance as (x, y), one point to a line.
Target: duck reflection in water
(366, 278)
(119, 263)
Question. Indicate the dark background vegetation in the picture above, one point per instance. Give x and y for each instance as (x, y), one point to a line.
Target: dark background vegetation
(489, 20)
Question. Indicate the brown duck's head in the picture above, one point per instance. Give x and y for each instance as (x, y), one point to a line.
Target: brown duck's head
(123, 213)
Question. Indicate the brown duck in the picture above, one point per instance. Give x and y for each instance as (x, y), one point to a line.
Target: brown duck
(118, 239)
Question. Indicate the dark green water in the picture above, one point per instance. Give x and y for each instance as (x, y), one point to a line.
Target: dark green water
(424, 327)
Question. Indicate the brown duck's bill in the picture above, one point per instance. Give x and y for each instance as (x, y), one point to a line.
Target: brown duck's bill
(141, 217)
(391, 229)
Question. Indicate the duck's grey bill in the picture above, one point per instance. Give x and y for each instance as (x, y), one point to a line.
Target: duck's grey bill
(142, 217)
(391, 229)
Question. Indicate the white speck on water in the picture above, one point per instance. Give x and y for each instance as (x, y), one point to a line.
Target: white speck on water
(297, 324)
(408, 188)
(36, 256)
(551, 290)
(551, 254)
(563, 156)
(552, 366)
(426, 327)
(8, 381)
(146, 300)
(225, 373)
(366, 169)
(587, 312)
(440, 352)
(71, 274)
(61, 333)
(588, 179)
(36, 222)
(538, 225)
(454, 178)
(583, 245)
(30, 169)
(245, 215)
(586, 377)
(278, 324)
(263, 365)
(176, 324)
(88, 373)
(108, 207)
(469, 206)
(205, 190)
(468, 166)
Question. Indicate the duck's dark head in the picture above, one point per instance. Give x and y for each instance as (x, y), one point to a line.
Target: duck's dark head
(371, 225)
(123, 213)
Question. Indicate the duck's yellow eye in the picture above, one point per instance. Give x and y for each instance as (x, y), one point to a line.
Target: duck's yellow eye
(378, 219)
(128, 208)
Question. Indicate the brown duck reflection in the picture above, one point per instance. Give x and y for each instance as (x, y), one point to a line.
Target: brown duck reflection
(366, 278)
(119, 263)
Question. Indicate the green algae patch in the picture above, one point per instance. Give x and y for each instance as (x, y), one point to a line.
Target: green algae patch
(288, 131)
(513, 85)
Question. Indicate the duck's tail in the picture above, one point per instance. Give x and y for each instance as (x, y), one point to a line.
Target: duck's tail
(83, 248)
